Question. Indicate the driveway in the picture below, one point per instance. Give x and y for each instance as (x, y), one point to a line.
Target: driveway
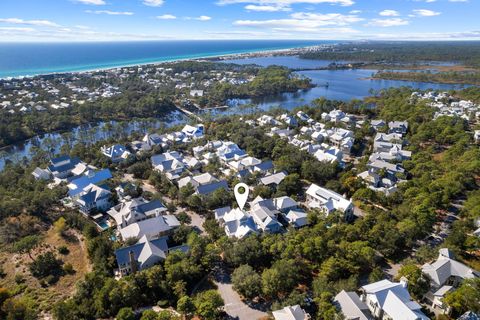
(234, 306)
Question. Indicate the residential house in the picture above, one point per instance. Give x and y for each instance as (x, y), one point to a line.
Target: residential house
(273, 180)
(446, 274)
(398, 127)
(193, 132)
(378, 124)
(145, 254)
(391, 301)
(328, 201)
(296, 218)
(77, 186)
(351, 307)
(151, 228)
(94, 197)
(237, 223)
(41, 174)
(265, 215)
(169, 163)
(62, 167)
(136, 210)
(285, 204)
(116, 153)
(291, 313)
(329, 155)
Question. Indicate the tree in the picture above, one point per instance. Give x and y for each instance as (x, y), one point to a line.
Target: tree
(125, 314)
(26, 245)
(247, 282)
(418, 283)
(465, 298)
(60, 226)
(208, 304)
(186, 306)
(149, 315)
(45, 265)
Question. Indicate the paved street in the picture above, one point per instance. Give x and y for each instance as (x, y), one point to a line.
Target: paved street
(234, 306)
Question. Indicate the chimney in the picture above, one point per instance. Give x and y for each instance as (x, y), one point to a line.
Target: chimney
(133, 261)
(404, 282)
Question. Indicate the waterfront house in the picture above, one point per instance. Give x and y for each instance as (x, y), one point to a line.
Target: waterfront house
(61, 167)
(116, 153)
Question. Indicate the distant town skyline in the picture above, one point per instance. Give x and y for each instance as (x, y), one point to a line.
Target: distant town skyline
(119, 20)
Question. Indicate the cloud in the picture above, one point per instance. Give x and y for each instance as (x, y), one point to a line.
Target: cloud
(40, 23)
(389, 13)
(16, 29)
(266, 8)
(393, 22)
(355, 12)
(458, 0)
(92, 2)
(111, 13)
(305, 22)
(286, 3)
(203, 18)
(425, 13)
(153, 3)
(166, 17)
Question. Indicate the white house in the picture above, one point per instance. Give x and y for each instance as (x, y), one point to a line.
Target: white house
(193, 132)
(291, 313)
(328, 201)
(391, 301)
(351, 306)
(136, 210)
(116, 153)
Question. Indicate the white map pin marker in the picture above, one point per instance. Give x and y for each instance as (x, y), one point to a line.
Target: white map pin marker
(241, 194)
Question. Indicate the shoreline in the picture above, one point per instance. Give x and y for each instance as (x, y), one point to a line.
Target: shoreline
(211, 58)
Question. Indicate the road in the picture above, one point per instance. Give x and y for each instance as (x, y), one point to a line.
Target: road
(234, 306)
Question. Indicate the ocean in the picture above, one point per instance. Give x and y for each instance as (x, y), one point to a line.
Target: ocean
(27, 59)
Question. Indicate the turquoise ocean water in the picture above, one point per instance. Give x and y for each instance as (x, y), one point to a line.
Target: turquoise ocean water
(23, 59)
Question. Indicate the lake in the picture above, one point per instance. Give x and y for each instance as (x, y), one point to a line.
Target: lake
(342, 85)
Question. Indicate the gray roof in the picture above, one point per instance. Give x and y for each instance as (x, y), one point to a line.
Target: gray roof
(351, 306)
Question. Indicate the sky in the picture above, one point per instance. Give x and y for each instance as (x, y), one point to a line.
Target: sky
(121, 20)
